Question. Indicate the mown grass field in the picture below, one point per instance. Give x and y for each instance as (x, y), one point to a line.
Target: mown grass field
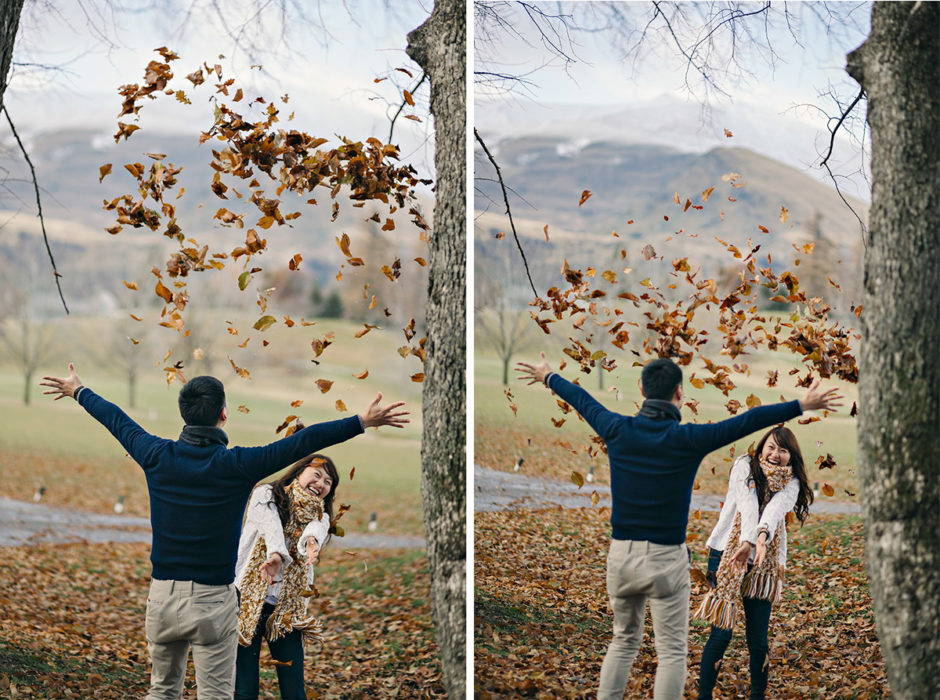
(501, 436)
(56, 444)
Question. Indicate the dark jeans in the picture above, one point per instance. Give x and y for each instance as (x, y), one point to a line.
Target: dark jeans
(290, 679)
(756, 621)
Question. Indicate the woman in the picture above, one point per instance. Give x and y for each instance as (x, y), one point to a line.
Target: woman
(286, 525)
(762, 489)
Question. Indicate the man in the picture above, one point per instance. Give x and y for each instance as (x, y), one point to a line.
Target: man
(653, 461)
(198, 492)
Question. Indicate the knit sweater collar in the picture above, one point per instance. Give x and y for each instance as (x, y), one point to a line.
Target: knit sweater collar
(203, 435)
(657, 409)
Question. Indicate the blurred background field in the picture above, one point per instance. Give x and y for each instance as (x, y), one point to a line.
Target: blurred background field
(58, 446)
(501, 437)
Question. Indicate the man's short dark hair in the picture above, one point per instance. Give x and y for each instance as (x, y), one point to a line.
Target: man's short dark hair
(202, 400)
(660, 378)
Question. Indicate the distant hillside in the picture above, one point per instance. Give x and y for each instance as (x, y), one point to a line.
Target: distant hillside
(93, 261)
(637, 183)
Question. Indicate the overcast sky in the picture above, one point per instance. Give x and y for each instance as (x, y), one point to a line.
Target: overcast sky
(774, 111)
(327, 63)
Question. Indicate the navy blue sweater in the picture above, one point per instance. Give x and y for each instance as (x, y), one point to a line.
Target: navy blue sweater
(198, 494)
(653, 461)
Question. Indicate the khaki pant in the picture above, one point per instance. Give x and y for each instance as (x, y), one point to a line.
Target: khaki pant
(181, 614)
(637, 571)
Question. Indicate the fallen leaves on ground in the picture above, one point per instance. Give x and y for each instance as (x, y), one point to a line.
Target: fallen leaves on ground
(72, 625)
(542, 621)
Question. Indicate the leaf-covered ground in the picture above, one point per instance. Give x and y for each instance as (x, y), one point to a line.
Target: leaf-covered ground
(72, 625)
(542, 622)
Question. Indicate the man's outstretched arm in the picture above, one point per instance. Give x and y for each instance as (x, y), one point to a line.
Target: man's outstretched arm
(260, 462)
(716, 435)
(601, 419)
(137, 441)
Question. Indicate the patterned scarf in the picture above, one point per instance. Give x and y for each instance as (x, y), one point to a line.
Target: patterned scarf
(764, 582)
(291, 612)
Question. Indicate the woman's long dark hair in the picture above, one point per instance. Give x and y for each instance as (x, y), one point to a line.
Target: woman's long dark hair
(786, 439)
(279, 487)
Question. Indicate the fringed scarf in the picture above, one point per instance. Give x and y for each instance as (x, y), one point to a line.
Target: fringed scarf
(291, 612)
(764, 582)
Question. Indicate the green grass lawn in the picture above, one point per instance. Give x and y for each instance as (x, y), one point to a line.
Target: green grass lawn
(501, 437)
(57, 444)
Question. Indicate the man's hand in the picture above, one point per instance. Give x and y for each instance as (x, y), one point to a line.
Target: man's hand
(817, 399)
(376, 415)
(313, 551)
(534, 373)
(271, 568)
(62, 386)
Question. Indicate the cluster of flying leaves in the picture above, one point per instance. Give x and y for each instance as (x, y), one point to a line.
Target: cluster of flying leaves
(78, 631)
(252, 154)
(542, 621)
(670, 327)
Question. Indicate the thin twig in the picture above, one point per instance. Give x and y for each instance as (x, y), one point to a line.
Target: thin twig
(391, 128)
(42, 221)
(832, 134)
(512, 225)
(825, 164)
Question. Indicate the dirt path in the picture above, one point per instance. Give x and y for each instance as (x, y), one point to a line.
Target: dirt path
(498, 490)
(23, 523)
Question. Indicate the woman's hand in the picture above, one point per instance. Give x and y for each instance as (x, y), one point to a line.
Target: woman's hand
(761, 550)
(739, 560)
(313, 551)
(271, 568)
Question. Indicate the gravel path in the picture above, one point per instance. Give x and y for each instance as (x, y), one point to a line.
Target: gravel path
(23, 523)
(498, 490)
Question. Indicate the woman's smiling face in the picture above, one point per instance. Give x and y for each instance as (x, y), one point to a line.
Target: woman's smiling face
(774, 453)
(316, 480)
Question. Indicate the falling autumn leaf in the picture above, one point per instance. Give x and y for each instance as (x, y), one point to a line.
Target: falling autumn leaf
(584, 197)
(577, 479)
(828, 490)
(324, 385)
(340, 406)
(362, 375)
(784, 215)
(243, 409)
(265, 322)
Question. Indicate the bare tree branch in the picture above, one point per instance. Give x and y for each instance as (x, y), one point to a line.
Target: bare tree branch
(42, 220)
(391, 127)
(512, 224)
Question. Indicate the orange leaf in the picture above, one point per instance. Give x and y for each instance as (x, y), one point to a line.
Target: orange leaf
(421, 261)
(104, 171)
(707, 193)
(828, 490)
(340, 406)
(163, 292)
(728, 134)
(324, 385)
(418, 377)
(408, 98)
(297, 404)
(577, 479)
(130, 285)
(243, 409)
(362, 375)
(136, 318)
(584, 197)
(784, 215)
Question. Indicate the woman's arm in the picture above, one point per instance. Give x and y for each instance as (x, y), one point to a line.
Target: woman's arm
(782, 503)
(262, 513)
(312, 538)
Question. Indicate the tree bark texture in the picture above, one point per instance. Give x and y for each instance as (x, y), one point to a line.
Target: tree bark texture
(9, 22)
(899, 362)
(439, 47)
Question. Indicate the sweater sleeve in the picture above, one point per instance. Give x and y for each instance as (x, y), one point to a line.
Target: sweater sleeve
(318, 530)
(603, 421)
(711, 436)
(746, 497)
(260, 462)
(140, 445)
(781, 504)
(263, 513)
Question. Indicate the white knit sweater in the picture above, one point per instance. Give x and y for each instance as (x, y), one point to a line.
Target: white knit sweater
(742, 497)
(262, 520)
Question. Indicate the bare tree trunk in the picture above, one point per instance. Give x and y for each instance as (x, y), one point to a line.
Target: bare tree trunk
(9, 22)
(899, 362)
(439, 47)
